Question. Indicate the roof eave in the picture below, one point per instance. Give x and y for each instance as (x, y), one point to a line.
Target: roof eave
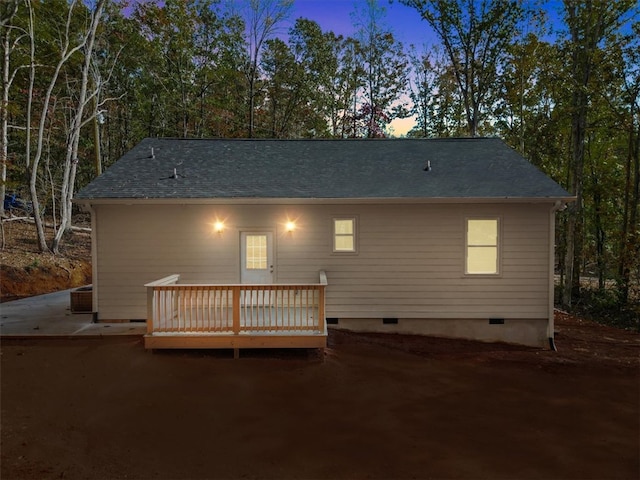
(327, 201)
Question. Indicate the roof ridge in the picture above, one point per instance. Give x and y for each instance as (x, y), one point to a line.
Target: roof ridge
(216, 139)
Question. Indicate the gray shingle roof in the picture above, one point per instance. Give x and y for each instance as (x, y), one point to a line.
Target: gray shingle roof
(322, 169)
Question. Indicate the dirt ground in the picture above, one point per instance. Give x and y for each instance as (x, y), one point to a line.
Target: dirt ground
(368, 407)
(25, 271)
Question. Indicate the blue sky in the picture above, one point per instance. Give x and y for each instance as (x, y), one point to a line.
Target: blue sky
(334, 15)
(405, 22)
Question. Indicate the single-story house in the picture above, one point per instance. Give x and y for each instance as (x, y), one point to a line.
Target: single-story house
(258, 243)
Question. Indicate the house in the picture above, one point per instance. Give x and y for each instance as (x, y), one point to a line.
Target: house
(259, 243)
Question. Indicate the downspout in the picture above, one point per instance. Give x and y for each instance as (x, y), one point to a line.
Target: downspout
(94, 261)
(557, 206)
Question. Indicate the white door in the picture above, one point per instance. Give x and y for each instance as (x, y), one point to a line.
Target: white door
(256, 254)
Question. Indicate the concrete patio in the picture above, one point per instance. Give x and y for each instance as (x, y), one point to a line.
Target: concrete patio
(50, 316)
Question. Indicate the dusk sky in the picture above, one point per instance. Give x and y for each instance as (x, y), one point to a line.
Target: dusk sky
(335, 15)
(404, 22)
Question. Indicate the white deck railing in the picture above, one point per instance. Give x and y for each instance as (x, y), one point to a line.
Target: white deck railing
(174, 308)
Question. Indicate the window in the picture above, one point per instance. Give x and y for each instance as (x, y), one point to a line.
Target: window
(482, 246)
(344, 235)
(256, 252)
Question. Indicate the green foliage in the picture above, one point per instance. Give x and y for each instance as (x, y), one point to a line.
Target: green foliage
(384, 64)
(437, 106)
(475, 36)
(605, 306)
(32, 266)
(318, 55)
(188, 60)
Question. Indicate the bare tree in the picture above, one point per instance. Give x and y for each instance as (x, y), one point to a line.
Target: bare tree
(263, 18)
(385, 69)
(8, 11)
(475, 35)
(71, 160)
(66, 52)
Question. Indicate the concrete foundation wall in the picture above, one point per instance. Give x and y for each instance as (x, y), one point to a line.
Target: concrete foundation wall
(530, 332)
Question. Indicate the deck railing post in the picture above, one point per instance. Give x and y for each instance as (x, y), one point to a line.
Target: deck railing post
(321, 301)
(150, 308)
(236, 310)
(155, 299)
(321, 308)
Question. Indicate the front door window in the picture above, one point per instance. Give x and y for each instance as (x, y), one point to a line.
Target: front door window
(256, 257)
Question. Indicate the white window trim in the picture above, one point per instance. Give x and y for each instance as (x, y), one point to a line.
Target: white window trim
(498, 273)
(354, 218)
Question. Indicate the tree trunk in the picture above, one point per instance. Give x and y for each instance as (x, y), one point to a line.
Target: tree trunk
(252, 98)
(65, 54)
(599, 232)
(635, 203)
(584, 40)
(71, 163)
(571, 286)
(630, 208)
(32, 79)
(4, 116)
(7, 80)
(96, 139)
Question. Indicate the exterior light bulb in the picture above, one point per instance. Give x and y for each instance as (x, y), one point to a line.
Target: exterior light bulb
(218, 226)
(291, 226)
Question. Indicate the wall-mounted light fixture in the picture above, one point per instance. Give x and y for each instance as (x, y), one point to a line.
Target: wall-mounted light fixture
(218, 227)
(290, 226)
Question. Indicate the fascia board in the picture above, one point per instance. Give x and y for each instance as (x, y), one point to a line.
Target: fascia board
(317, 201)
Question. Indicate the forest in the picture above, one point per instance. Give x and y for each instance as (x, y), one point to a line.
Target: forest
(559, 81)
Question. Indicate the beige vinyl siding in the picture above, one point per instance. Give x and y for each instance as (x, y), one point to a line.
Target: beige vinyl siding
(409, 262)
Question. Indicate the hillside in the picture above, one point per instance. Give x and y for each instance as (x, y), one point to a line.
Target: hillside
(25, 271)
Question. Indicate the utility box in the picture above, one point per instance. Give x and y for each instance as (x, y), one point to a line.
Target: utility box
(82, 299)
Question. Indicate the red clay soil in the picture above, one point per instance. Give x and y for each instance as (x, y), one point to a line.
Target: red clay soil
(25, 271)
(370, 406)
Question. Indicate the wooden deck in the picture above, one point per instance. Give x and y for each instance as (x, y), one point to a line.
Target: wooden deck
(235, 316)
